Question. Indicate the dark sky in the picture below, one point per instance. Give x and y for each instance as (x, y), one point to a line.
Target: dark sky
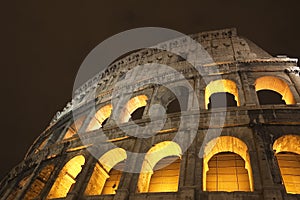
(43, 43)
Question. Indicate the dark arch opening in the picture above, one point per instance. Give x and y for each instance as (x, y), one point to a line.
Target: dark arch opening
(104, 122)
(173, 107)
(221, 100)
(138, 113)
(269, 97)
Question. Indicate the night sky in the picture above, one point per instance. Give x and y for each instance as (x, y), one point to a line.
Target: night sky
(44, 42)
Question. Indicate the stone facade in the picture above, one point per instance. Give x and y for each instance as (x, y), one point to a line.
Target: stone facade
(257, 126)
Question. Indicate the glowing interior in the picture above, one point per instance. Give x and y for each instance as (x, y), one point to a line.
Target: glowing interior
(165, 176)
(152, 157)
(287, 149)
(74, 127)
(277, 85)
(218, 86)
(226, 144)
(66, 178)
(133, 104)
(105, 179)
(227, 173)
(100, 116)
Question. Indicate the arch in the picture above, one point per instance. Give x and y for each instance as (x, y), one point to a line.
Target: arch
(226, 144)
(100, 116)
(287, 152)
(138, 113)
(75, 126)
(269, 97)
(287, 143)
(66, 178)
(39, 183)
(132, 105)
(275, 84)
(171, 98)
(173, 107)
(221, 86)
(107, 173)
(227, 173)
(153, 156)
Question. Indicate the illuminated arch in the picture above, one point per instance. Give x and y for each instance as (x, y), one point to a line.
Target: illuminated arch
(100, 116)
(223, 85)
(66, 178)
(275, 84)
(72, 130)
(287, 149)
(170, 98)
(104, 175)
(153, 156)
(39, 183)
(226, 144)
(132, 105)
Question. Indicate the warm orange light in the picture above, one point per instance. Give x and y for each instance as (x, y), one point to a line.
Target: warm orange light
(105, 179)
(165, 175)
(66, 178)
(222, 85)
(153, 156)
(226, 144)
(277, 85)
(101, 115)
(287, 149)
(131, 106)
(227, 173)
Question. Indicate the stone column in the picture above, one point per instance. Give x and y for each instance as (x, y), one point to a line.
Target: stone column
(83, 178)
(59, 164)
(270, 191)
(248, 90)
(128, 182)
(186, 187)
(295, 88)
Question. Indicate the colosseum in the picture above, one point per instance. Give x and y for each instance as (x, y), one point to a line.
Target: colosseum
(234, 134)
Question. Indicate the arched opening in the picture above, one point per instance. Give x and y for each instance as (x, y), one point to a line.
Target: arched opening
(227, 173)
(138, 113)
(165, 175)
(39, 183)
(75, 126)
(113, 180)
(132, 105)
(269, 97)
(100, 118)
(175, 100)
(160, 169)
(221, 100)
(107, 173)
(223, 156)
(173, 106)
(287, 151)
(221, 93)
(66, 178)
(280, 87)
